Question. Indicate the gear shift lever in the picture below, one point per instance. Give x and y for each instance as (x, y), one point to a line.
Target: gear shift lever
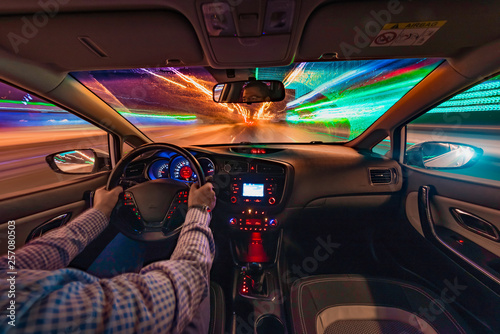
(256, 273)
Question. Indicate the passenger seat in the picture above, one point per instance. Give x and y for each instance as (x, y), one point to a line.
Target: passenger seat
(356, 304)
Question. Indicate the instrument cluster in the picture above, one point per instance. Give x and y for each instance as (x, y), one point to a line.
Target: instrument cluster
(178, 168)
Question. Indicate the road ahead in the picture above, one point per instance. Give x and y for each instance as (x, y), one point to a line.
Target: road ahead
(237, 133)
(23, 166)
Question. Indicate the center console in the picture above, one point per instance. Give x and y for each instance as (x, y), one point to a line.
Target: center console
(253, 201)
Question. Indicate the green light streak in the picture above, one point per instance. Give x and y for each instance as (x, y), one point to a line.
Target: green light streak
(177, 117)
(465, 109)
(28, 103)
(366, 92)
(479, 101)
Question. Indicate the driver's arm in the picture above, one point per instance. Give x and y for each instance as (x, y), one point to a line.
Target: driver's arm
(57, 248)
(163, 298)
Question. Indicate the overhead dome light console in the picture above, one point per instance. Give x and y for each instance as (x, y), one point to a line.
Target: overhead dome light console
(243, 33)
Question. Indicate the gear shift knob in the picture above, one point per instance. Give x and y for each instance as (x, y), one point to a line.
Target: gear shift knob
(255, 268)
(256, 273)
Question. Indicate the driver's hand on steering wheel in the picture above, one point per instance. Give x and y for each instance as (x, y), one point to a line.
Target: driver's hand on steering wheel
(202, 196)
(105, 200)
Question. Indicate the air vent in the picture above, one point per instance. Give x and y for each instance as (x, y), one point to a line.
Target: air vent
(381, 176)
(270, 169)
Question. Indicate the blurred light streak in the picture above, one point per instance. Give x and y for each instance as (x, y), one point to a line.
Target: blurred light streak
(28, 103)
(348, 75)
(323, 87)
(292, 75)
(33, 109)
(176, 117)
(163, 78)
(195, 82)
(86, 156)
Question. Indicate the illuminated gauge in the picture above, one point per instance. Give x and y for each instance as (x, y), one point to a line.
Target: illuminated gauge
(158, 169)
(207, 166)
(181, 170)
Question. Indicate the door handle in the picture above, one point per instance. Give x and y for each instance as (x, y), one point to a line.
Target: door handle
(475, 224)
(49, 225)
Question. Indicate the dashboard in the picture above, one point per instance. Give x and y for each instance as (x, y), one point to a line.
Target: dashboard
(250, 191)
(240, 180)
(257, 187)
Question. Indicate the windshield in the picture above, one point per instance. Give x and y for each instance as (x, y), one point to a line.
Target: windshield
(325, 101)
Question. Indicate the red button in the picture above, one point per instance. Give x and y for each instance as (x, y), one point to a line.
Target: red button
(272, 200)
(234, 199)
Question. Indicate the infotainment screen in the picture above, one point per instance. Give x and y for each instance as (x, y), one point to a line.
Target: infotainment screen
(253, 190)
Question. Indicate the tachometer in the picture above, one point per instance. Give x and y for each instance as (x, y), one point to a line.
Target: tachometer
(158, 169)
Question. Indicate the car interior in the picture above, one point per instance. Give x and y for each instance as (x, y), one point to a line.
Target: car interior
(331, 217)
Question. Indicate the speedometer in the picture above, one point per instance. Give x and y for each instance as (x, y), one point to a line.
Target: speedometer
(181, 170)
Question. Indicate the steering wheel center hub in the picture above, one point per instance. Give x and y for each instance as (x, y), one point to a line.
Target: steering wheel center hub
(153, 198)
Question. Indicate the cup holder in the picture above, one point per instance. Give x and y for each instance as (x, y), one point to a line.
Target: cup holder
(269, 323)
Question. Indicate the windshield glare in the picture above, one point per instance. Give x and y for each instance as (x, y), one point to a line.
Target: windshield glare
(325, 101)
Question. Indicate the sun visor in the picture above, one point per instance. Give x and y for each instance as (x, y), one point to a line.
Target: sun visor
(389, 29)
(89, 41)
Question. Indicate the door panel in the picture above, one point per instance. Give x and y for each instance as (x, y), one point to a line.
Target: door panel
(468, 248)
(441, 211)
(473, 256)
(456, 253)
(32, 210)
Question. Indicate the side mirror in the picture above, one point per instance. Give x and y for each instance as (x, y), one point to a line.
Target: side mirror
(253, 91)
(442, 155)
(84, 161)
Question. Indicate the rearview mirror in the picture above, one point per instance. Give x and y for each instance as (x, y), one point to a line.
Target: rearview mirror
(442, 155)
(252, 91)
(84, 161)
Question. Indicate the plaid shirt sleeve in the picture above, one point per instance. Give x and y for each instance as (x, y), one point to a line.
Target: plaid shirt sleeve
(162, 298)
(56, 249)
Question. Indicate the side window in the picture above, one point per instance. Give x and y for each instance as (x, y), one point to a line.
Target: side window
(30, 130)
(383, 146)
(461, 135)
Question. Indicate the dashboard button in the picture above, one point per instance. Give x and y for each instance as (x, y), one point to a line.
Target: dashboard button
(234, 199)
(272, 200)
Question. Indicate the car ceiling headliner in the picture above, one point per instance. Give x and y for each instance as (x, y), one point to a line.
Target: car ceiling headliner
(153, 33)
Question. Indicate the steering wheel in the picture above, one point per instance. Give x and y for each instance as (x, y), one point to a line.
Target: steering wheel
(153, 210)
